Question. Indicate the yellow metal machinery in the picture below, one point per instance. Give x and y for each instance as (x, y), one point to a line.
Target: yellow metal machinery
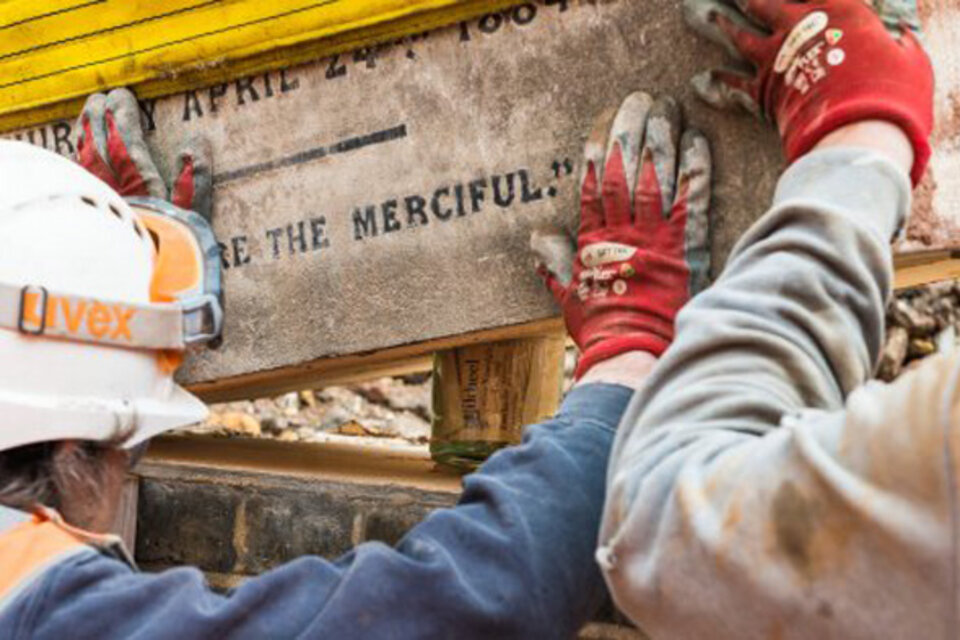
(55, 52)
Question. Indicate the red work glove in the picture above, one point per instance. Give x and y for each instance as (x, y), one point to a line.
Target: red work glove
(642, 249)
(820, 65)
(112, 147)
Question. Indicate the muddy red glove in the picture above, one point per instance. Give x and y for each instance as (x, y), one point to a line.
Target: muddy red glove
(111, 146)
(821, 65)
(642, 249)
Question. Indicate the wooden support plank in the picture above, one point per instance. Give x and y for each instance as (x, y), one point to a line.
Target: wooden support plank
(918, 269)
(387, 463)
(413, 358)
(380, 202)
(484, 395)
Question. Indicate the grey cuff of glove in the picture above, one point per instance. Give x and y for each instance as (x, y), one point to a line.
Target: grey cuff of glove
(860, 184)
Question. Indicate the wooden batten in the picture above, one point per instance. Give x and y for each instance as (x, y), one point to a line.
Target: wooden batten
(484, 395)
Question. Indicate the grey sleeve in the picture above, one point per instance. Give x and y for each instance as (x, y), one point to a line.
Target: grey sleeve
(757, 488)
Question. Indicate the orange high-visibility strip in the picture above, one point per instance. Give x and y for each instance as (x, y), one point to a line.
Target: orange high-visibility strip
(53, 53)
(27, 550)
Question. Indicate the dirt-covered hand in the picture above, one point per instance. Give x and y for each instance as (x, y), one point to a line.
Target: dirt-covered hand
(111, 146)
(813, 66)
(642, 248)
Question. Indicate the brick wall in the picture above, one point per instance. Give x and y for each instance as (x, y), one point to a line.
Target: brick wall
(236, 524)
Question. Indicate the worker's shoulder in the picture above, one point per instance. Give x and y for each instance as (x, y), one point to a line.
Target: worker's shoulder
(94, 594)
(56, 579)
(31, 549)
(29, 581)
(36, 547)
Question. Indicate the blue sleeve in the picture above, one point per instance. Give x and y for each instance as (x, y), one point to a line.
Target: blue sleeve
(514, 559)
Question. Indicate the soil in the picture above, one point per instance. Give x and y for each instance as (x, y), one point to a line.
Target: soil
(920, 323)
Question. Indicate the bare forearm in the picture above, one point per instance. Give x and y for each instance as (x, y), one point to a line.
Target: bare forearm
(629, 370)
(876, 135)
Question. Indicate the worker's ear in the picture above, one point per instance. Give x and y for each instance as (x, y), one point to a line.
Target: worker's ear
(84, 461)
(89, 478)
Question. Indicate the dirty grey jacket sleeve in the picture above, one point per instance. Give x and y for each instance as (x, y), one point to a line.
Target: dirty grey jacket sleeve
(759, 486)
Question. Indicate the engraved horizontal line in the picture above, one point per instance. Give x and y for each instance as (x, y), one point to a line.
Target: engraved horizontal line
(344, 146)
(164, 45)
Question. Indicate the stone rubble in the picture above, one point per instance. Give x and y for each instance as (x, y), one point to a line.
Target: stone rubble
(920, 323)
(397, 408)
(385, 408)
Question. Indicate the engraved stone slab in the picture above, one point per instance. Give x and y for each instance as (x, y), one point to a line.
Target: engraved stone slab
(387, 197)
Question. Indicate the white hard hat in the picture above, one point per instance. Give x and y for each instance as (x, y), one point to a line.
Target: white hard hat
(87, 347)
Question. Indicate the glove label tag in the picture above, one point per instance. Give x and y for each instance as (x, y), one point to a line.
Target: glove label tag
(599, 253)
(806, 30)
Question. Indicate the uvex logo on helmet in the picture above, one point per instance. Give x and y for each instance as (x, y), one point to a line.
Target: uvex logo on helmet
(44, 313)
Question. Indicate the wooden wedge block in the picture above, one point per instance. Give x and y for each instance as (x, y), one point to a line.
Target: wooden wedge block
(484, 395)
